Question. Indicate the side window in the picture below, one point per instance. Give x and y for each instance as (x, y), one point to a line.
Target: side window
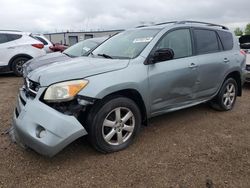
(226, 39)
(3, 38)
(206, 41)
(179, 41)
(8, 37)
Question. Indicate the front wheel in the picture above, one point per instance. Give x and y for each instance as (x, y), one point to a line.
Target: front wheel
(226, 97)
(114, 124)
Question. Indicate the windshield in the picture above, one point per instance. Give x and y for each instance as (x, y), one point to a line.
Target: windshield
(126, 45)
(81, 48)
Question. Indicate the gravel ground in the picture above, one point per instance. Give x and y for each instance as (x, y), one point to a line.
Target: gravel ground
(195, 147)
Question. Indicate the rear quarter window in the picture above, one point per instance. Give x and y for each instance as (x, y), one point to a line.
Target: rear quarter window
(206, 41)
(226, 39)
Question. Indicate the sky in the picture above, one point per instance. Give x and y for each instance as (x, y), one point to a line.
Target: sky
(84, 15)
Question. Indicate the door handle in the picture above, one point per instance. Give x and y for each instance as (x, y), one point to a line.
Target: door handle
(193, 65)
(226, 60)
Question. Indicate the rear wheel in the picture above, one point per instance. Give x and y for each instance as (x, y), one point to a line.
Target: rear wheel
(226, 98)
(114, 124)
(17, 65)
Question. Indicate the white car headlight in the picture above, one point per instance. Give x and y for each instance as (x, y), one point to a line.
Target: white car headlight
(64, 91)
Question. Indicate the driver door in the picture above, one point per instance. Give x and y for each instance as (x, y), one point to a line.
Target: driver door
(172, 83)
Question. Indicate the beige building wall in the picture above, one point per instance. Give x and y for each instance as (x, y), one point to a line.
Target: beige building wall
(70, 38)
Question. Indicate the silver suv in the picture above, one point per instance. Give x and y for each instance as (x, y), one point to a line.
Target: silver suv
(133, 76)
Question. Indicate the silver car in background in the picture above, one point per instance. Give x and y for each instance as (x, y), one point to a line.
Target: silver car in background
(82, 48)
(133, 76)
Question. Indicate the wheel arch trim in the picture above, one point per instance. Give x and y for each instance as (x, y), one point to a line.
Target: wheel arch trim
(17, 56)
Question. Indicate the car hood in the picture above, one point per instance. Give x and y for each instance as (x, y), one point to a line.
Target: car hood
(75, 68)
(43, 60)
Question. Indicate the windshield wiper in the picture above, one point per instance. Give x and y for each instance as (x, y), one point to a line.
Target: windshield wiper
(105, 56)
(68, 55)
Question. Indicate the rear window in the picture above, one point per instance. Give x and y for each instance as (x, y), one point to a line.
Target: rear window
(42, 40)
(206, 41)
(8, 37)
(226, 39)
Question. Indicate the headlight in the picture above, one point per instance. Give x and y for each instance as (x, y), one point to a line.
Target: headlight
(64, 91)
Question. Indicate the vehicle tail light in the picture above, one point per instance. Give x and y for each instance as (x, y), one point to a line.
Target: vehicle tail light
(243, 52)
(39, 46)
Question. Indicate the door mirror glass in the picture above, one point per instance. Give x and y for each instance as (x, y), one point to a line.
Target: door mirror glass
(163, 54)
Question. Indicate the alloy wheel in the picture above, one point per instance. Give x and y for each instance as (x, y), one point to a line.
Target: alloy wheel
(118, 126)
(229, 95)
(19, 66)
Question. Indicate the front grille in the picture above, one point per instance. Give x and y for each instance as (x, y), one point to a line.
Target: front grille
(31, 88)
(248, 67)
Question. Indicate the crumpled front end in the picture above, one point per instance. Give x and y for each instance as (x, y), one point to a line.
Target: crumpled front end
(42, 128)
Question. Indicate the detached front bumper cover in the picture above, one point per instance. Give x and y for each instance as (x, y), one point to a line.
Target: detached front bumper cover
(41, 127)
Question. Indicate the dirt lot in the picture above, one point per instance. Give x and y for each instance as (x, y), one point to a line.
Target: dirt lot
(195, 147)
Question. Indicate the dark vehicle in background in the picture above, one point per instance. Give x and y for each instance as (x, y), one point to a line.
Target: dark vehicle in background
(82, 48)
(58, 47)
(245, 46)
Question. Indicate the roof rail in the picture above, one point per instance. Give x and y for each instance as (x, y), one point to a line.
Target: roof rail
(205, 23)
(10, 30)
(186, 21)
(142, 26)
(163, 23)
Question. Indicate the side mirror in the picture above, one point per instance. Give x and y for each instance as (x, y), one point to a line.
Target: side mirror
(163, 54)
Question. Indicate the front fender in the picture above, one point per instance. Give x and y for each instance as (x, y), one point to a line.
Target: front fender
(132, 77)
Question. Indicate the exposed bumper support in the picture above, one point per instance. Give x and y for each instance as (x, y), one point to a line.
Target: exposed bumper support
(32, 116)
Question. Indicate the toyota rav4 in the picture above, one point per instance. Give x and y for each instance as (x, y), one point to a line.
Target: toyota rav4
(133, 76)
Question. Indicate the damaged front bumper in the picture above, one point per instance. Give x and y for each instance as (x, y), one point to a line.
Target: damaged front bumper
(42, 128)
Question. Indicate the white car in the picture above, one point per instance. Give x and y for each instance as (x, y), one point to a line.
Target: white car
(248, 66)
(16, 48)
(245, 46)
(45, 41)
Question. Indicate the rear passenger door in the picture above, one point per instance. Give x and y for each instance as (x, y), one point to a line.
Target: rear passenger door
(4, 48)
(7, 47)
(211, 61)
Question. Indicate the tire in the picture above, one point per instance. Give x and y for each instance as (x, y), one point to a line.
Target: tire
(17, 65)
(109, 130)
(226, 98)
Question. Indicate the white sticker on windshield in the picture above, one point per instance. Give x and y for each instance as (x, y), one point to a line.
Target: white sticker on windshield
(86, 49)
(145, 39)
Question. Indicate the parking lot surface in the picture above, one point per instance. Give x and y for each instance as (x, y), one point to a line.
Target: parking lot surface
(195, 147)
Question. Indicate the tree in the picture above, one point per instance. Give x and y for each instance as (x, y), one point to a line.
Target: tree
(247, 29)
(238, 31)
